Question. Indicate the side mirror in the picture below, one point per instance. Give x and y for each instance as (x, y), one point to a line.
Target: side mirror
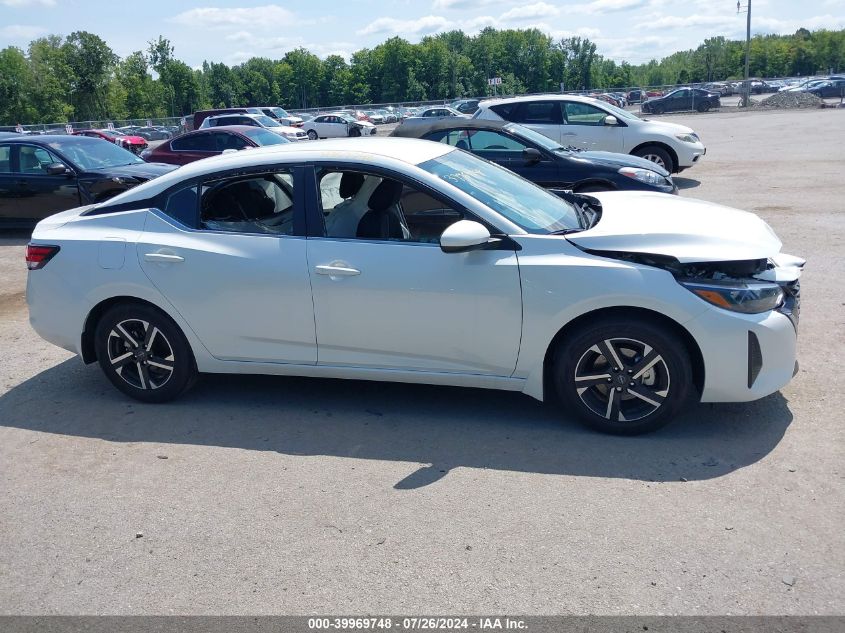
(463, 236)
(531, 155)
(56, 169)
(611, 120)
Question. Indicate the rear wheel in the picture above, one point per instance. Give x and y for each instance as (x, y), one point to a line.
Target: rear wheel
(657, 155)
(622, 376)
(312, 134)
(143, 353)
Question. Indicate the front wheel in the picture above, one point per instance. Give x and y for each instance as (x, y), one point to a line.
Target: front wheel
(704, 106)
(622, 376)
(143, 353)
(657, 155)
(355, 132)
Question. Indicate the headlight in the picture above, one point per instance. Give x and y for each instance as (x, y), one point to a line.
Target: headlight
(748, 297)
(688, 138)
(644, 175)
(290, 135)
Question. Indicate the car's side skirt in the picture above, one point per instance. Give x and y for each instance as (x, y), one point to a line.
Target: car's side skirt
(365, 373)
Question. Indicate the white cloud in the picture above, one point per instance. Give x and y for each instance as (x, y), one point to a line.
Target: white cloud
(267, 16)
(462, 4)
(473, 25)
(530, 11)
(687, 21)
(28, 3)
(610, 6)
(22, 31)
(423, 25)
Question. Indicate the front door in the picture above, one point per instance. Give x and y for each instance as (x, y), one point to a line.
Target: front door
(36, 193)
(387, 297)
(238, 275)
(585, 128)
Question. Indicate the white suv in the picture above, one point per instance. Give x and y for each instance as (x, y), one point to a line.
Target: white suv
(596, 125)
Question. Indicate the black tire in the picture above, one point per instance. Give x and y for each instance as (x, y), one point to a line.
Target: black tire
(355, 132)
(144, 353)
(651, 357)
(312, 134)
(653, 153)
(704, 106)
(657, 109)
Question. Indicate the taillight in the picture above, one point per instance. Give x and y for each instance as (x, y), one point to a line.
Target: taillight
(37, 255)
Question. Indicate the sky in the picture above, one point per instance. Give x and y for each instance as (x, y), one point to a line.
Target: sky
(231, 32)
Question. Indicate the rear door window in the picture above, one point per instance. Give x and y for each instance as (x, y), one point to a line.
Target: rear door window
(538, 113)
(194, 143)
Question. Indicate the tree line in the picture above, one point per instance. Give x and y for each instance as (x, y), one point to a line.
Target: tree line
(80, 78)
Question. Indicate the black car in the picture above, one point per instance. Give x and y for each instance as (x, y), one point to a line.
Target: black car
(830, 88)
(682, 99)
(44, 175)
(466, 106)
(542, 161)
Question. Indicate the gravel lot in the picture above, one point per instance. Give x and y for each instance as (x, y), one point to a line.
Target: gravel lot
(258, 495)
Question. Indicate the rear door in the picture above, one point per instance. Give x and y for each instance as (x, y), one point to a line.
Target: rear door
(189, 148)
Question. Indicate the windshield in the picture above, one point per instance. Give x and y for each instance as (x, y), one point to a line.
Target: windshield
(89, 154)
(530, 135)
(279, 112)
(263, 137)
(520, 201)
(619, 112)
(266, 121)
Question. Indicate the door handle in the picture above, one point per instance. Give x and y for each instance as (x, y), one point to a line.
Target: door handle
(164, 258)
(568, 134)
(336, 270)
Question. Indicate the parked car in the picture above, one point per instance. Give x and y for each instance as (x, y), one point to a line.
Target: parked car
(153, 133)
(282, 116)
(202, 115)
(635, 96)
(304, 116)
(543, 161)
(829, 88)
(134, 144)
(431, 266)
(256, 120)
(374, 117)
(431, 114)
(723, 89)
(42, 175)
(336, 125)
(200, 144)
(465, 106)
(596, 125)
(681, 100)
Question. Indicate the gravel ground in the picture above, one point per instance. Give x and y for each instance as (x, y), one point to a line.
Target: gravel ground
(257, 495)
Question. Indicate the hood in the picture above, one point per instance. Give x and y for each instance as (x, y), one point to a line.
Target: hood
(669, 128)
(145, 171)
(132, 138)
(613, 159)
(363, 123)
(688, 230)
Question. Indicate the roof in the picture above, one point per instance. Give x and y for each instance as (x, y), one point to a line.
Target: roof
(221, 128)
(542, 97)
(418, 131)
(367, 150)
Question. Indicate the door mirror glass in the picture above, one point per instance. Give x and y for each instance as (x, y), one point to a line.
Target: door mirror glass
(464, 235)
(611, 120)
(531, 155)
(56, 169)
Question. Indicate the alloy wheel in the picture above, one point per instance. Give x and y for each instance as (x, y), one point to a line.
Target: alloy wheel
(654, 158)
(622, 379)
(140, 354)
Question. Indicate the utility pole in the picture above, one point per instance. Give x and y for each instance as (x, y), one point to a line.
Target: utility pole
(746, 92)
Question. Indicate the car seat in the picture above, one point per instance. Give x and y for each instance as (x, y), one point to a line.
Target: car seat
(381, 221)
(350, 184)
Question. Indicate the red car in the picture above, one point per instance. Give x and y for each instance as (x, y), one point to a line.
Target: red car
(207, 142)
(135, 144)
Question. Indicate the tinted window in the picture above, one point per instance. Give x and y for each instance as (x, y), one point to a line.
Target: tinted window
(505, 110)
(254, 204)
(583, 114)
(538, 112)
(182, 206)
(225, 140)
(5, 159)
(194, 143)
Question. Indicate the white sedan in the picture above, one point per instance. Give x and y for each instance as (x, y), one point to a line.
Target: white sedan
(405, 260)
(337, 125)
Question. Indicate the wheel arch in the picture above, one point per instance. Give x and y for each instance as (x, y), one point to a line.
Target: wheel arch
(666, 148)
(691, 345)
(593, 182)
(87, 347)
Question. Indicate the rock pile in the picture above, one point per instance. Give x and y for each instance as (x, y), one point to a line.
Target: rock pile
(789, 100)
